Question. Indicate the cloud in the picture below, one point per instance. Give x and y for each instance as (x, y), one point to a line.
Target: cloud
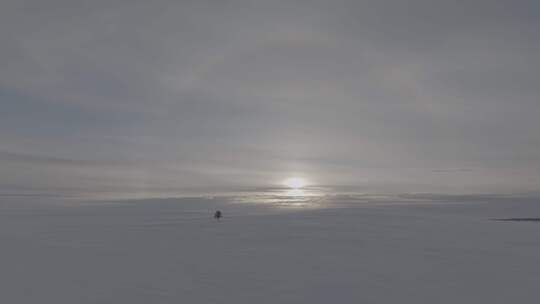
(240, 93)
(451, 170)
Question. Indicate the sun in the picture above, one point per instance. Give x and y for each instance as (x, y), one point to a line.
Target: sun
(295, 182)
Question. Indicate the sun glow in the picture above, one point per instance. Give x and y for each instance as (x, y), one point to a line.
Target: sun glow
(295, 183)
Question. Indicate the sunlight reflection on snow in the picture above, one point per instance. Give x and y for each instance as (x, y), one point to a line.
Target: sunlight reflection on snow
(286, 198)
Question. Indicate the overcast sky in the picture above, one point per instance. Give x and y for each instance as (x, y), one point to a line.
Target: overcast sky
(119, 96)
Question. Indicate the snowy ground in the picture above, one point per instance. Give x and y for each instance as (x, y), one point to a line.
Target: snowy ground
(436, 250)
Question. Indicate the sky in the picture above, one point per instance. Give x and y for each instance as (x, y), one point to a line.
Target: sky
(172, 96)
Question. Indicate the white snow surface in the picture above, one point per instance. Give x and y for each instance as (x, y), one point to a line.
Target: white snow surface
(172, 251)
